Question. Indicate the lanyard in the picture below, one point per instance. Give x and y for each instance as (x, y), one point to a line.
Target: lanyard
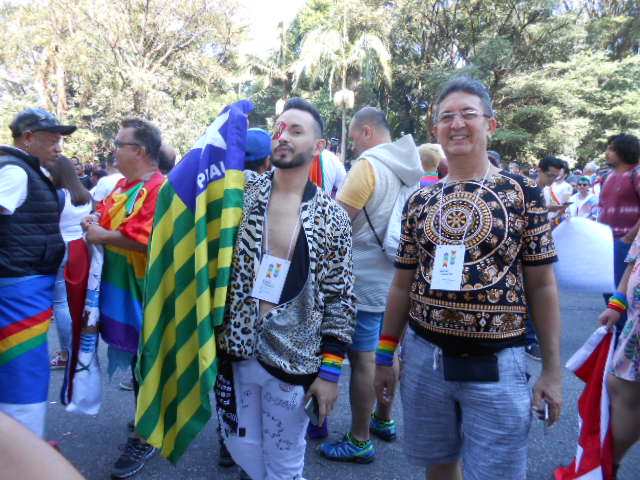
(477, 196)
(266, 234)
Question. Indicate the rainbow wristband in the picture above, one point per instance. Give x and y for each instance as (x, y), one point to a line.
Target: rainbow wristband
(386, 349)
(331, 367)
(618, 302)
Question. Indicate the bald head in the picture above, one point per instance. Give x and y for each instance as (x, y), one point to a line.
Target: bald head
(371, 116)
(368, 129)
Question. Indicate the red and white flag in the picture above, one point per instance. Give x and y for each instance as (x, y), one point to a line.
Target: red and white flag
(594, 457)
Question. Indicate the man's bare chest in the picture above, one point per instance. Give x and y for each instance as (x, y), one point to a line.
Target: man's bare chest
(282, 225)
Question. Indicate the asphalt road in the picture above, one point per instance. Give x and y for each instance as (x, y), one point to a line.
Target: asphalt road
(92, 444)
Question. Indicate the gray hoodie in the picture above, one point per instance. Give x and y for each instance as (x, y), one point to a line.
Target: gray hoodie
(395, 164)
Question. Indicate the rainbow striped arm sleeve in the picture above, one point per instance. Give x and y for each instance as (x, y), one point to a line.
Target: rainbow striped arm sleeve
(331, 367)
(386, 349)
(618, 302)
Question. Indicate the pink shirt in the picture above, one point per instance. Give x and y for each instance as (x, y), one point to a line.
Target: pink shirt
(620, 202)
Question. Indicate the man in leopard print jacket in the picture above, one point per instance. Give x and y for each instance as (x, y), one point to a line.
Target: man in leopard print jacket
(286, 347)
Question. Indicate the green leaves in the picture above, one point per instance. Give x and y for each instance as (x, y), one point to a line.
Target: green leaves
(563, 75)
(95, 62)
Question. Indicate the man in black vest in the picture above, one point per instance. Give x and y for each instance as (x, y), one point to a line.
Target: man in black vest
(31, 249)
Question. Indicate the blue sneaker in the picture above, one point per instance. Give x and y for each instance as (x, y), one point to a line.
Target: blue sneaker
(347, 451)
(384, 429)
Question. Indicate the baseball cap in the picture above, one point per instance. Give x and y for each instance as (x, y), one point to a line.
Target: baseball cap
(258, 146)
(38, 120)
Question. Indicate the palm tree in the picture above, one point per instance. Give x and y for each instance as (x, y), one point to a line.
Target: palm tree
(328, 52)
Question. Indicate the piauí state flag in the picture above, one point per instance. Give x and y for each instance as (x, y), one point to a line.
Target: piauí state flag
(594, 456)
(196, 221)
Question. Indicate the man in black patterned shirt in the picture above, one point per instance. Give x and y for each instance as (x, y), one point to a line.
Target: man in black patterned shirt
(475, 254)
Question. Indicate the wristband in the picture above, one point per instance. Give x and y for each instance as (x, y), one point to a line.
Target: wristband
(618, 302)
(386, 349)
(331, 367)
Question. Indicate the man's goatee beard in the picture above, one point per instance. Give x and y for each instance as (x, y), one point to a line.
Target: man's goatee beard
(298, 160)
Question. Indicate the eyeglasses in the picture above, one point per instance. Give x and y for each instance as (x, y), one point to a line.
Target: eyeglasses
(118, 144)
(468, 115)
(584, 184)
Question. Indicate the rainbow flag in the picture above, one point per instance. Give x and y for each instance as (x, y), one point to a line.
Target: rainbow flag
(25, 314)
(197, 217)
(316, 174)
(129, 209)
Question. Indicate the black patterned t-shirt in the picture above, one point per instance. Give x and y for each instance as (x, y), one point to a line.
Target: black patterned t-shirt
(504, 225)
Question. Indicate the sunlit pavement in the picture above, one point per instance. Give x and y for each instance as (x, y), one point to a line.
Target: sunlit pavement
(93, 443)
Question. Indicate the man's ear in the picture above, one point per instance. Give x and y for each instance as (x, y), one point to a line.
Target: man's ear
(319, 146)
(493, 125)
(144, 153)
(28, 137)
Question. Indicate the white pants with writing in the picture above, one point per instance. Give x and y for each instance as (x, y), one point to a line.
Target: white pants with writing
(272, 424)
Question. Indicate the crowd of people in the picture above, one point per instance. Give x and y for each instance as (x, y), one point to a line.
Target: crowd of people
(429, 267)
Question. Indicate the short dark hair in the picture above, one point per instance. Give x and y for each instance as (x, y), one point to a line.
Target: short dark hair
(466, 85)
(99, 173)
(147, 134)
(371, 116)
(626, 146)
(297, 103)
(550, 161)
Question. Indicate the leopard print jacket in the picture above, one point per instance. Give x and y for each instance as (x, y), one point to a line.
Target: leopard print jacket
(291, 336)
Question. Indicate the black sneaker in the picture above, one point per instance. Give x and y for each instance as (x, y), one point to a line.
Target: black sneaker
(533, 352)
(132, 459)
(225, 459)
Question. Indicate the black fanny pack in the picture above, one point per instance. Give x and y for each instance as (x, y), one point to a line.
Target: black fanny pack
(470, 368)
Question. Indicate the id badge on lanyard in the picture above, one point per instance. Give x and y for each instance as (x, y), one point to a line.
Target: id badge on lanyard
(270, 280)
(448, 262)
(448, 265)
(273, 270)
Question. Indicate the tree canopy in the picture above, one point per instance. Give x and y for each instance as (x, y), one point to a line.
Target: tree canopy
(563, 74)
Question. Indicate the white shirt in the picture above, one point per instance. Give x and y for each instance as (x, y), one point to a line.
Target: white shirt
(562, 192)
(13, 188)
(333, 172)
(105, 186)
(577, 203)
(71, 217)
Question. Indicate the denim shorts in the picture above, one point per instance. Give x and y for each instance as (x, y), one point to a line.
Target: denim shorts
(485, 424)
(367, 333)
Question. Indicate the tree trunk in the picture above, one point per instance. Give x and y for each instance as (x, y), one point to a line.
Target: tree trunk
(61, 91)
(343, 148)
(137, 102)
(40, 83)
